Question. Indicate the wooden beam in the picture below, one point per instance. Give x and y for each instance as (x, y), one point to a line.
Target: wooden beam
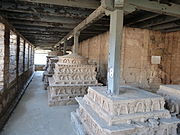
(42, 29)
(166, 25)
(139, 18)
(91, 4)
(42, 34)
(97, 14)
(20, 7)
(155, 21)
(64, 47)
(12, 28)
(154, 6)
(39, 23)
(171, 29)
(42, 18)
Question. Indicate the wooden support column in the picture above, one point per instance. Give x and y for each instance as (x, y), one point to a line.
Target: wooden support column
(6, 57)
(115, 44)
(24, 55)
(65, 46)
(76, 42)
(17, 62)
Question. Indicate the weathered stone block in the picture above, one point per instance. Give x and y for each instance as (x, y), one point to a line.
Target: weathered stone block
(171, 93)
(72, 76)
(133, 112)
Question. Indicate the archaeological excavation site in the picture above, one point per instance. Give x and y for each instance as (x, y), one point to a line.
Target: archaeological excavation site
(89, 67)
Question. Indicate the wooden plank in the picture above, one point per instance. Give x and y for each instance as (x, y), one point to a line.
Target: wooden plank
(155, 21)
(166, 25)
(12, 28)
(92, 4)
(21, 7)
(64, 47)
(97, 14)
(154, 6)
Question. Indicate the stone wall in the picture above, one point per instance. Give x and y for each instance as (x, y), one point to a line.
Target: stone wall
(139, 46)
(172, 43)
(13, 76)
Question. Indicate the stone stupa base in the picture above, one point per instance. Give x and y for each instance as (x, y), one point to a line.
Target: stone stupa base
(171, 93)
(64, 94)
(49, 71)
(46, 75)
(134, 112)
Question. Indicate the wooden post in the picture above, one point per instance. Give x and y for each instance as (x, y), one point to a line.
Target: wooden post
(76, 42)
(65, 46)
(17, 63)
(115, 44)
(6, 57)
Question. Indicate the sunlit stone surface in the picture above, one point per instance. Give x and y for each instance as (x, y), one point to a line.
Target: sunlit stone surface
(134, 112)
(72, 76)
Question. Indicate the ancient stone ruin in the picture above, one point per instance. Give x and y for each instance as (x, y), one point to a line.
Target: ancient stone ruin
(171, 95)
(49, 68)
(72, 76)
(134, 112)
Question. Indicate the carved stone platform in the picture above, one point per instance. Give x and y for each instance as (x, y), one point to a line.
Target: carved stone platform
(171, 93)
(134, 112)
(72, 76)
(49, 70)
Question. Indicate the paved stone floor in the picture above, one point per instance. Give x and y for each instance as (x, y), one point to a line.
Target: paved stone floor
(33, 116)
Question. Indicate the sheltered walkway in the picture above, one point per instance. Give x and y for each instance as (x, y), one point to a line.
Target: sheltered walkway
(33, 116)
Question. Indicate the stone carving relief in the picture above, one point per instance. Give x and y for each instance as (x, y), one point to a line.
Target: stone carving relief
(128, 107)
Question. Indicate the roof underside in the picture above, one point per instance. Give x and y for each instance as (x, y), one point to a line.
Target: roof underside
(46, 24)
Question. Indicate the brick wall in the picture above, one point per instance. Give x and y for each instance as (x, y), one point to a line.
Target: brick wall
(139, 46)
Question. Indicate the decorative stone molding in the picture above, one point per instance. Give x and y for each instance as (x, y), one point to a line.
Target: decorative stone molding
(171, 93)
(49, 69)
(134, 112)
(72, 76)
